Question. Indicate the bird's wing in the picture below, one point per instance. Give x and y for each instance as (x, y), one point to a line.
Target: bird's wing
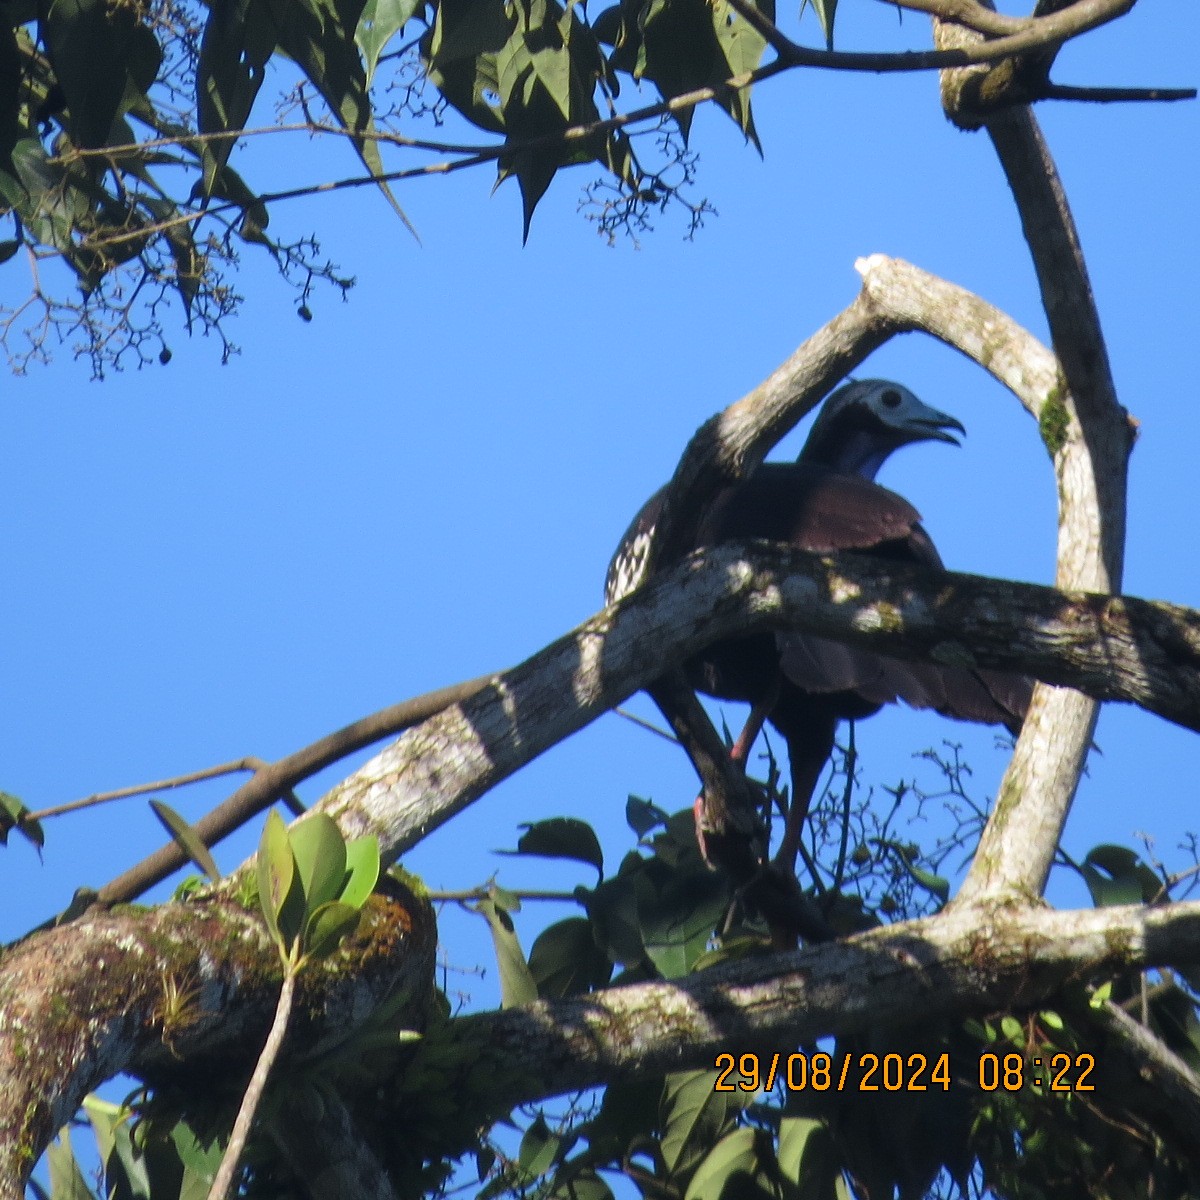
(814, 509)
(811, 508)
(625, 569)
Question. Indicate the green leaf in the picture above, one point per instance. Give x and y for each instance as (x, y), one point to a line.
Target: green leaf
(125, 1169)
(742, 48)
(735, 1154)
(807, 1157)
(327, 926)
(932, 883)
(693, 1115)
(505, 900)
(642, 815)
(186, 838)
(319, 35)
(14, 815)
(1013, 1030)
(516, 982)
(1116, 875)
(362, 870)
(200, 1161)
(276, 870)
(66, 1179)
(538, 1149)
(613, 910)
(582, 1184)
(239, 39)
(89, 43)
(380, 21)
(677, 912)
(565, 960)
(825, 10)
(562, 837)
(320, 853)
(8, 248)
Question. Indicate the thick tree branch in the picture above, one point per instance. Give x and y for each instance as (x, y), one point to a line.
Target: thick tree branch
(970, 961)
(1162, 1086)
(1089, 438)
(147, 990)
(1129, 649)
(273, 780)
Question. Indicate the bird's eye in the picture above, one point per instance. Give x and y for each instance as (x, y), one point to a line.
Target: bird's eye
(890, 399)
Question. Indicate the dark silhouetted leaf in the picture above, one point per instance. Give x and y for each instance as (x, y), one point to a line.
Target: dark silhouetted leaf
(642, 815)
(89, 43)
(562, 837)
(565, 960)
(186, 838)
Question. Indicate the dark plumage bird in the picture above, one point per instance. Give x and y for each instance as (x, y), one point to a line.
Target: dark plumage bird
(824, 502)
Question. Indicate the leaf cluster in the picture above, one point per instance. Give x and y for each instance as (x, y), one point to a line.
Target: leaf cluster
(119, 121)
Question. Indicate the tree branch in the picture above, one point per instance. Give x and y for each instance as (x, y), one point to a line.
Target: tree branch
(970, 961)
(88, 1000)
(1089, 438)
(272, 781)
(1120, 648)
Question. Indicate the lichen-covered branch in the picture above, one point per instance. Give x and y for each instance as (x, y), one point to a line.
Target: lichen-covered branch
(1089, 438)
(971, 961)
(145, 991)
(1113, 647)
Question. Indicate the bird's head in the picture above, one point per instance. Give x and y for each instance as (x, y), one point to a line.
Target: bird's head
(861, 423)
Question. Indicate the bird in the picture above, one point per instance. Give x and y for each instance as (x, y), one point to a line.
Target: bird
(827, 501)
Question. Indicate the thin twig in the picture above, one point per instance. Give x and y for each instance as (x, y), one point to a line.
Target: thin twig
(647, 725)
(162, 785)
(276, 780)
(254, 1090)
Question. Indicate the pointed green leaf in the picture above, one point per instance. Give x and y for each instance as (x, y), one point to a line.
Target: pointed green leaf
(66, 1179)
(319, 35)
(125, 1168)
(538, 1149)
(733, 1156)
(276, 869)
(516, 982)
(693, 1115)
(327, 926)
(200, 1161)
(15, 815)
(362, 870)
(380, 21)
(320, 853)
(239, 39)
(825, 10)
(186, 838)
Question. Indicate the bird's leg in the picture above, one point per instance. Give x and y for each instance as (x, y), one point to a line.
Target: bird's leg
(727, 826)
(753, 727)
(808, 752)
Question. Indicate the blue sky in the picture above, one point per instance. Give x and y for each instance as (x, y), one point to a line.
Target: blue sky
(426, 482)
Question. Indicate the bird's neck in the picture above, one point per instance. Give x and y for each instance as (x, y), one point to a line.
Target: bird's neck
(859, 453)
